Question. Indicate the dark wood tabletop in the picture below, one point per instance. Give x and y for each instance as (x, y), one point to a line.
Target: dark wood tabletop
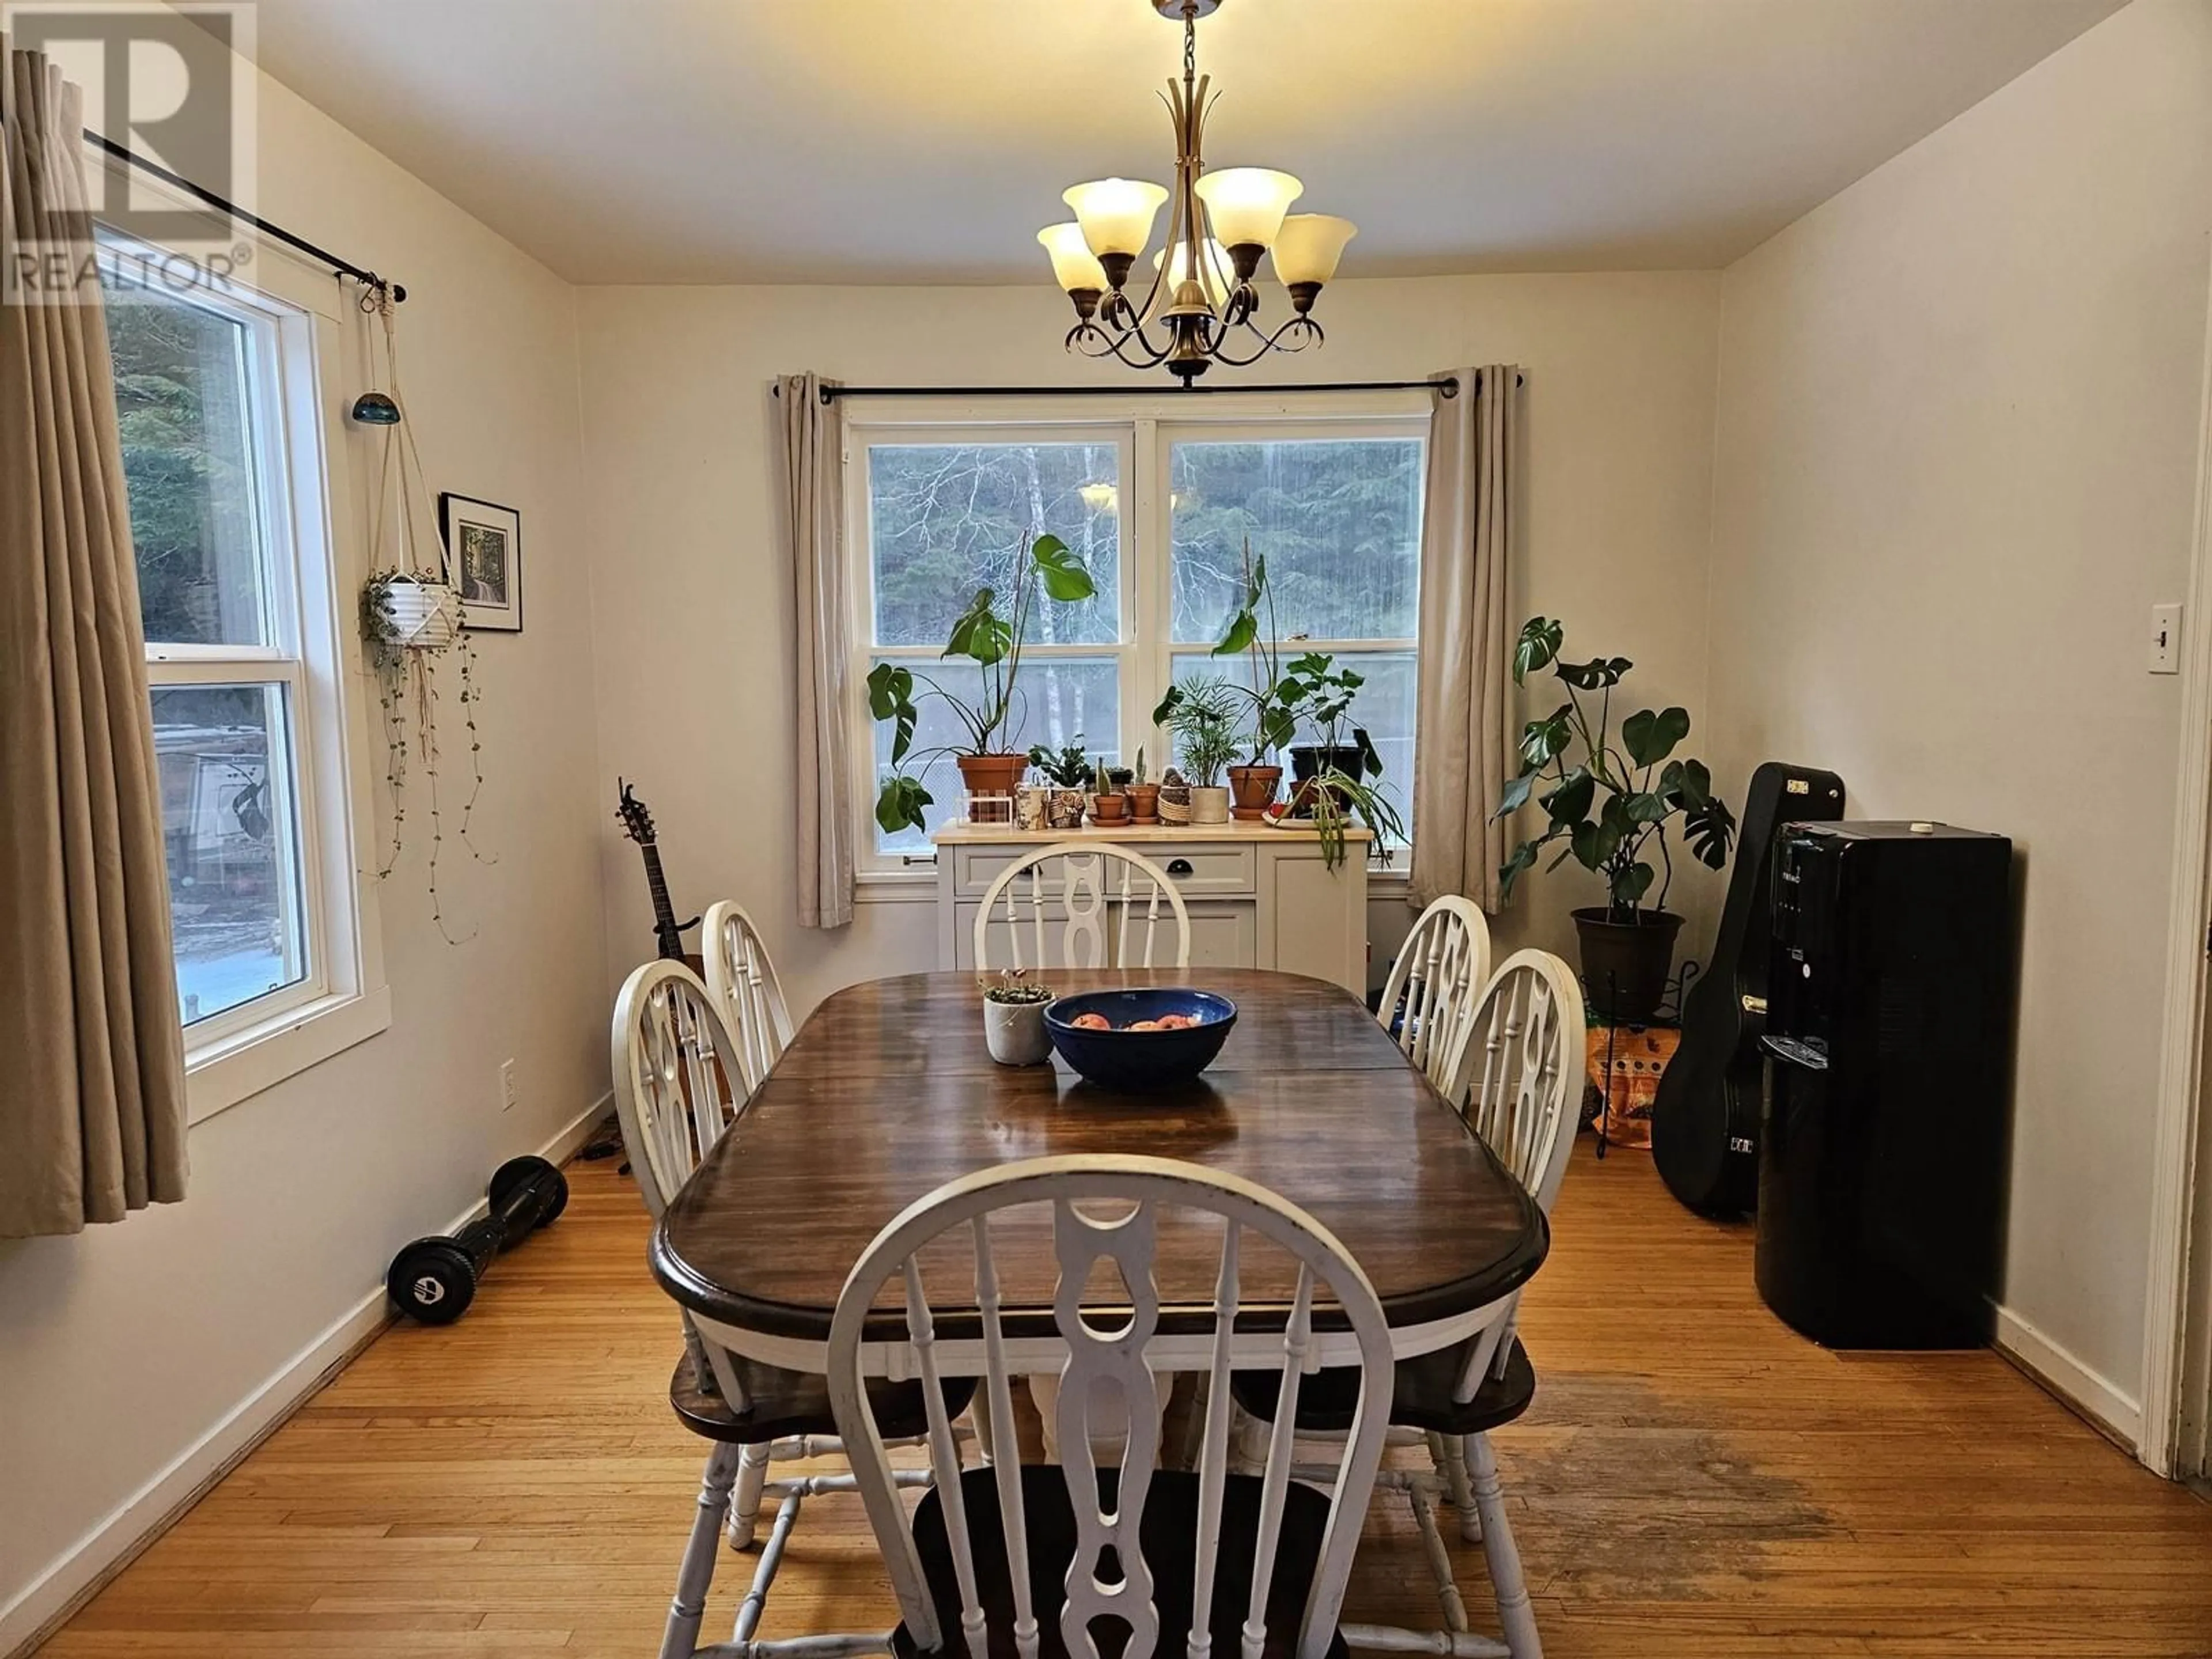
(888, 1092)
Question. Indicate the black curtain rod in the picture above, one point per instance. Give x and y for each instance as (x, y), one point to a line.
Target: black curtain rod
(343, 267)
(1448, 386)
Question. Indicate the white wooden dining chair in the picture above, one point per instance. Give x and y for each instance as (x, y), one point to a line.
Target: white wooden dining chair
(675, 1067)
(993, 1557)
(1091, 893)
(1522, 1065)
(1430, 997)
(745, 988)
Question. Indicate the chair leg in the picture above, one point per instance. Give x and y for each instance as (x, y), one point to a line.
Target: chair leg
(1515, 1614)
(746, 1502)
(681, 1638)
(1449, 1452)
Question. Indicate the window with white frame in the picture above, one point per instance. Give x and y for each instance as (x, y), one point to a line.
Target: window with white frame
(216, 395)
(1159, 510)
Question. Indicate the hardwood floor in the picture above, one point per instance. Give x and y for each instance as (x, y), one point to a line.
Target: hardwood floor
(1694, 1480)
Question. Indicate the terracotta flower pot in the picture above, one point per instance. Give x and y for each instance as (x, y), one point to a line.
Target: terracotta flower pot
(1144, 803)
(990, 781)
(1252, 790)
(1109, 809)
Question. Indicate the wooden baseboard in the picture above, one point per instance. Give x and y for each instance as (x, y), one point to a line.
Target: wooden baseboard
(2089, 1395)
(52, 1599)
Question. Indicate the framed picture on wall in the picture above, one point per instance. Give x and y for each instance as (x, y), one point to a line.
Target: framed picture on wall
(484, 541)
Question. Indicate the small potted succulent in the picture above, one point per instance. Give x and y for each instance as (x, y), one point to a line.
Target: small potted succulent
(1144, 798)
(1109, 807)
(1013, 1018)
(1202, 716)
(1068, 770)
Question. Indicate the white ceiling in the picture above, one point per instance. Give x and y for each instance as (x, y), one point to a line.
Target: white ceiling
(915, 141)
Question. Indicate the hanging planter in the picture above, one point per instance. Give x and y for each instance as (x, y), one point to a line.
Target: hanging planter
(415, 613)
(411, 621)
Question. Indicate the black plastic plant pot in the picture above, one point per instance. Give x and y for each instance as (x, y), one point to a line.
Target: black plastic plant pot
(1626, 962)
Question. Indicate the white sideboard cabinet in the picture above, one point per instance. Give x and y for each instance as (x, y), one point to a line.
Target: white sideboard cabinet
(1258, 897)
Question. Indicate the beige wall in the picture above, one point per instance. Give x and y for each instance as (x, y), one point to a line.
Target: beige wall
(140, 1349)
(1956, 462)
(694, 619)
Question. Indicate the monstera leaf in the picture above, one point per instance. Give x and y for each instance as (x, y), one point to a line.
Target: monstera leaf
(1649, 738)
(890, 696)
(899, 806)
(1538, 644)
(981, 632)
(1064, 575)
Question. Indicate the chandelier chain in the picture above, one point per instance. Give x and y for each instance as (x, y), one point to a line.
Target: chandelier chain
(1189, 41)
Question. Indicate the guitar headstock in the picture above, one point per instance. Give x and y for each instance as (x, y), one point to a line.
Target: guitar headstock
(631, 813)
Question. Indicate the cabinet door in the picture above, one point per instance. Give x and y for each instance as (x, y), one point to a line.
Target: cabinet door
(1320, 918)
(1224, 935)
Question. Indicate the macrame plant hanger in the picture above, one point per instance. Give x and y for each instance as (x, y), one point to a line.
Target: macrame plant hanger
(412, 619)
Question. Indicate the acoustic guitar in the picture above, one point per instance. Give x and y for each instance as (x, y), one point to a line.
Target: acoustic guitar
(637, 823)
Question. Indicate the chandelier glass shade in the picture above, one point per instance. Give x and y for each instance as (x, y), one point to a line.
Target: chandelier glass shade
(1202, 309)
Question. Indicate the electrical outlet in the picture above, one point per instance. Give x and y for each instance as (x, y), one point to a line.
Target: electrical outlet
(2166, 638)
(507, 1093)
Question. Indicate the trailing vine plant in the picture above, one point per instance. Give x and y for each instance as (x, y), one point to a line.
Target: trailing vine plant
(411, 625)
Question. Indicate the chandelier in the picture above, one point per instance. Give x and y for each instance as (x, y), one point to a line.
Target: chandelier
(1200, 307)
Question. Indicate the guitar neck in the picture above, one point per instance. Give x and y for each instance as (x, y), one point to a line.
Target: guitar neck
(664, 913)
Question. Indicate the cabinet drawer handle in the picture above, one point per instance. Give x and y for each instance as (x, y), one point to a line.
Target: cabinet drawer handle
(1178, 867)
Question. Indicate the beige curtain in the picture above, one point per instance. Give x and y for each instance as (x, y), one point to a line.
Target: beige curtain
(811, 523)
(92, 1069)
(1466, 715)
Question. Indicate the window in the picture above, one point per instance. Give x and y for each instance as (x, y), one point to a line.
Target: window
(217, 400)
(1339, 522)
(1159, 510)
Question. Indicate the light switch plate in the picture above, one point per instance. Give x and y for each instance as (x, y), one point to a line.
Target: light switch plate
(508, 1094)
(2166, 638)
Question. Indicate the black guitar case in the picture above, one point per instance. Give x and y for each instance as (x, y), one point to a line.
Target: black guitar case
(1705, 1117)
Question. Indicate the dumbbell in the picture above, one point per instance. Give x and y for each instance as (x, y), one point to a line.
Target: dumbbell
(435, 1279)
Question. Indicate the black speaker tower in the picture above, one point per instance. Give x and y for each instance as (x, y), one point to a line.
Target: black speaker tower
(1704, 1118)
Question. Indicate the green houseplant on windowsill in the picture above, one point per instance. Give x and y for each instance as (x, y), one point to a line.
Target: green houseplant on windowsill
(994, 643)
(1338, 776)
(1202, 718)
(1610, 801)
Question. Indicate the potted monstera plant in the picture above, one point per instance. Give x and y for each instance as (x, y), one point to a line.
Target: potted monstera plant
(988, 766)
(1608, 801)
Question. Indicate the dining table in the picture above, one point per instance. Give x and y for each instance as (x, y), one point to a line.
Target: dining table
(887, 1091)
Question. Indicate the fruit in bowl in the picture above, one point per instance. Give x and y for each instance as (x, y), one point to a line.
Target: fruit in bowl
(1134, 1040)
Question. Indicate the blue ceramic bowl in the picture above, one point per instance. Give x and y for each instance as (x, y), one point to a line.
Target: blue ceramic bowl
(1136, 1061)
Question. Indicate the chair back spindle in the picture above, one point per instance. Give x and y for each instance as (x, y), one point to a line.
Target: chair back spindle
(1434, 987)
(1106, 1209)
(1081, 888)
(671, 1057)
(1523, 1064)
(668, 1094)
(745, 988)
